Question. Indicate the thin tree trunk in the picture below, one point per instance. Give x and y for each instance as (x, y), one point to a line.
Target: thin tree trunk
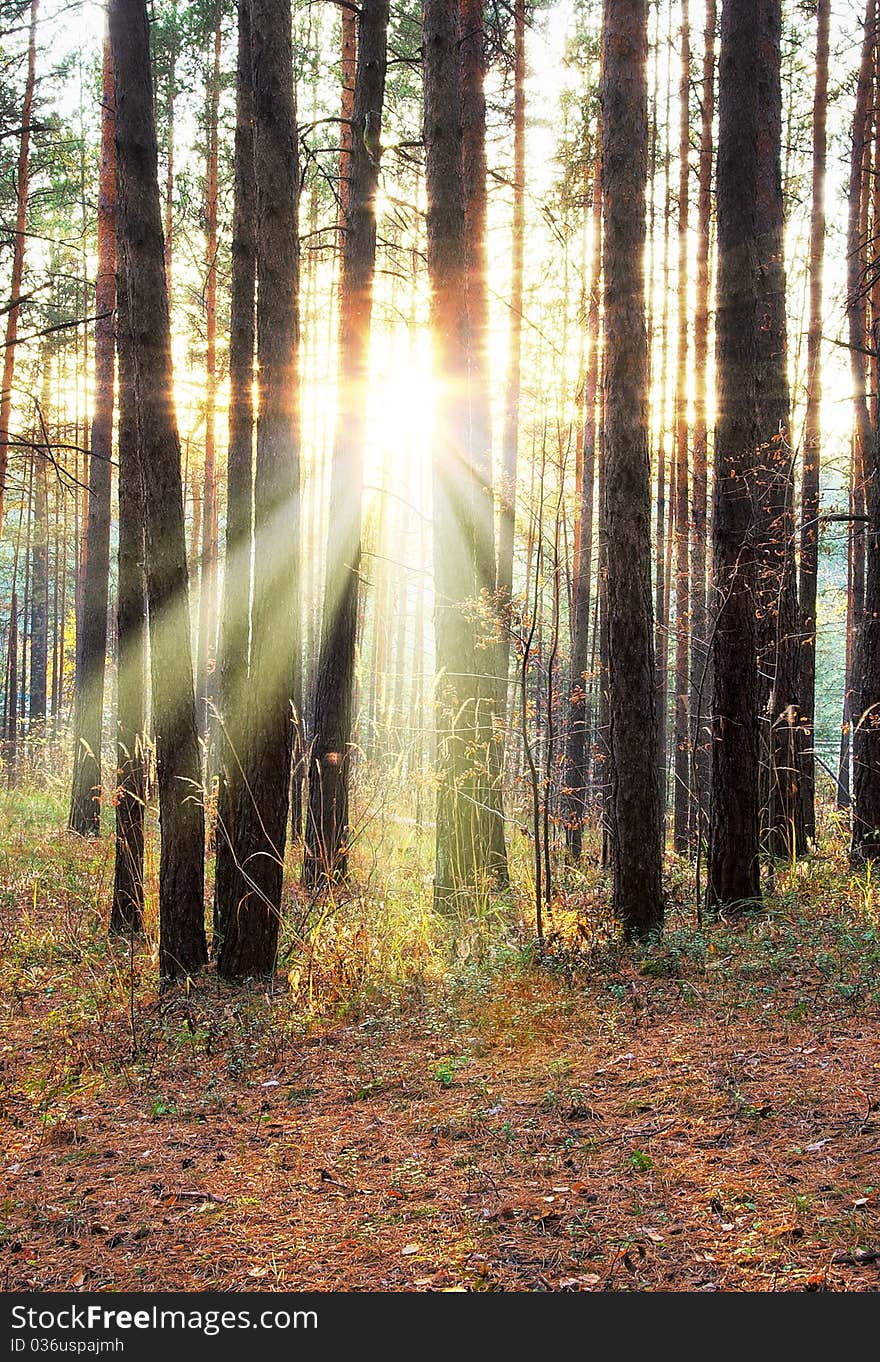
(700, 683)
(809, 546)
(866, 651)
(779, 630)
(127, 912)
(21, 219)
(230, 884)
(12, 691)
(85, 799)
(208, 578)
(489, 811)
(327, 825)
(510, 433)
(665, 479)
(169, 151)
(39, 602)
(576, 762)
(682, 761)
(346, 126)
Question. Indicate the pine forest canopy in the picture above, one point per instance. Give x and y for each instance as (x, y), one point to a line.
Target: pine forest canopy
(441, 434)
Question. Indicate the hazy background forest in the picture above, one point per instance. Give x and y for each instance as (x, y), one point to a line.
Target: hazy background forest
(351, 553)
(47, 496)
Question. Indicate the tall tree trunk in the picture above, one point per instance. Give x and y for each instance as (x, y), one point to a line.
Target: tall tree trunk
(576, 763)
(11, 706)
(636, 815)
(665, 479)
(733, 863)
(208, 579)
(230, 883)
(779, 620)
(700, 685)
(170, 98)
(25, 636)
(866, 651)
(182, 943)
(510, 433)
(855, 599)
(127, 912)
(457, 863)
(21, 217)
(489, 812)
(809, 555)
(327, 825)
(346, 126)
(85, 798)
(39, 602)
(682, 761)
(249, 942)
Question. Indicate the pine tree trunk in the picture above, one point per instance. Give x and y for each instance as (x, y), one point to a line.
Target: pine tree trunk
(18, 244)
(510, 433)
(682, 761)
(127, 912)
(39, 602)
(665, 478)
(169, 153)
(779, 619)
(208, 576)
(11, 705)
(457, 864)
(249, 942)
(85, 799)
(346, 127)
(809, 546)
(635, 812)
(489, 812)
(182, 943)
(332, 748)
(733, 864)
(576, 756)
(865, 845)
(230, 883)
(700, 684)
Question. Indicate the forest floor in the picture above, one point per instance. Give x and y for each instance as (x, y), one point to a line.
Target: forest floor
(703, 1114)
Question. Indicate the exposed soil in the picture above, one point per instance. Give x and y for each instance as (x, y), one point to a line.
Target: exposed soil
(544, 1132)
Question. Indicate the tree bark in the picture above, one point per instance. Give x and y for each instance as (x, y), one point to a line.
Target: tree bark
(15, 283)
(249, 943)
(776, 599)
(700, 684)
(39, 595)
(127, 912)
(208, 576)
(332, 748)
(636, 815)
(489, 811)
(85, 799)
(182, 942)
(349, 75)
(230, 883)
(809, 546)
(510, 432)
(682, 759)
(733, 864)
(457, 863)
(576, 762)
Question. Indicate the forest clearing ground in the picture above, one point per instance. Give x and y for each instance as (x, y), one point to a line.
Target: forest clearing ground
(700, 1115)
